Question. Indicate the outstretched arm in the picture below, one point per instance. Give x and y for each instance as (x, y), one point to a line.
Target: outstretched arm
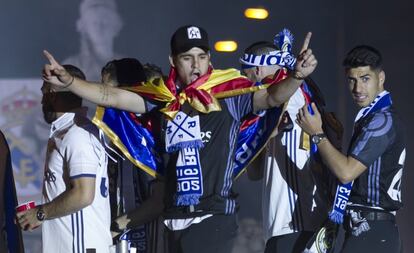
(346, 168)
(278, 94)
(97, 93)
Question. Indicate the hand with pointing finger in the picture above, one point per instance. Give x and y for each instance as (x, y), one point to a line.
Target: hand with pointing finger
(306, 61)
(55, 74)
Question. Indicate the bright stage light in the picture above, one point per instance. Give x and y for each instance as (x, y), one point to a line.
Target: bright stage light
(225, 46)
(256, 13)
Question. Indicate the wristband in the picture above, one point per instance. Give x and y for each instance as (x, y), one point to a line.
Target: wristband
(69, 84)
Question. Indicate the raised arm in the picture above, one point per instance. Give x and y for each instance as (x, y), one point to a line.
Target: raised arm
(97, 93)
(278, 94)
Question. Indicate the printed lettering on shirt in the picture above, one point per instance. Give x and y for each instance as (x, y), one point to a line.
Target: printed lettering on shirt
(395, 188)
(206, 136)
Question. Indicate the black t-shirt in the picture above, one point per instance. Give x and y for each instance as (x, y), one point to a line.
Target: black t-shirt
(379, 143)
(219, 131)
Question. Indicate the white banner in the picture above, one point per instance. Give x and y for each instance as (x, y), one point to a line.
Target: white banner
(21, 120)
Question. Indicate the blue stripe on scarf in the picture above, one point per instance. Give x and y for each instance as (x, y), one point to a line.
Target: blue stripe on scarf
(343, 191)
(189, 178)
(253, 138)
(183, 135)
(185, 144)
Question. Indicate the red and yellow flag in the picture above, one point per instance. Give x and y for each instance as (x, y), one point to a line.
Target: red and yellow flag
(202, 94)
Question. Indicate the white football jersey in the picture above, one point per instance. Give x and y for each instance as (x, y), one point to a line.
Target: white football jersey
(291, 196)
(74, 151)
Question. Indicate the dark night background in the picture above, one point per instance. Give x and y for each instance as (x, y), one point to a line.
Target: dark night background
(28, 27)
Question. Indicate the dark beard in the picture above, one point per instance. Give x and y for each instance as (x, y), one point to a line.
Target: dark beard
(48, 114)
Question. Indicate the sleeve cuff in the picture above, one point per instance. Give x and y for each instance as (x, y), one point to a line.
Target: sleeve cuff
(82, 175)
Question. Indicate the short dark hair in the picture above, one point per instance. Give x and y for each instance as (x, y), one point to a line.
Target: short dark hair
(261, 47)
(68, 95)
(126, 71)
(74, 71)
(361, 56)
(152, 71)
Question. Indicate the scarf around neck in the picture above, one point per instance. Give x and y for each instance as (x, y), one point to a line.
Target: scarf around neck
(343, 191)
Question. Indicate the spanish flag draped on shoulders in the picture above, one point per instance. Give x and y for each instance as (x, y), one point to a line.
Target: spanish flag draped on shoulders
(133, 134)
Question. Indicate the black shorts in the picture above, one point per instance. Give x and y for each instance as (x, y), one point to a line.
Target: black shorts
(214, 234)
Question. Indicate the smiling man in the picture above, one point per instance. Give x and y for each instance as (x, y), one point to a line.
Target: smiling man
(200, 205)
(375, 158)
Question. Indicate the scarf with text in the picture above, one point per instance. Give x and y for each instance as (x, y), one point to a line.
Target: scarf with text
(255, 131)
(183, 135)
(343, 191)
(282, 57)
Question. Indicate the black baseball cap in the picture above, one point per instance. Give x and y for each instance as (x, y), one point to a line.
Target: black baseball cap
(187, 37)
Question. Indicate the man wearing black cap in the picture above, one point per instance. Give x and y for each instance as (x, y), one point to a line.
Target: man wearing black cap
(188, 37)
(190, 51)
(202, 110)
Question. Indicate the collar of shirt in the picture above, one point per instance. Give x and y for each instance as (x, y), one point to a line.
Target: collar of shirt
(66, 120)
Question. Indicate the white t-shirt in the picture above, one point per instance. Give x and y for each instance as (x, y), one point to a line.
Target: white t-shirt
(278, 202)
(74, 151)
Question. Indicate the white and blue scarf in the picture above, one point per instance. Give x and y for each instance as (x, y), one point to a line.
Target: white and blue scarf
(282, 57)
(183, 135)
(343, 191)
